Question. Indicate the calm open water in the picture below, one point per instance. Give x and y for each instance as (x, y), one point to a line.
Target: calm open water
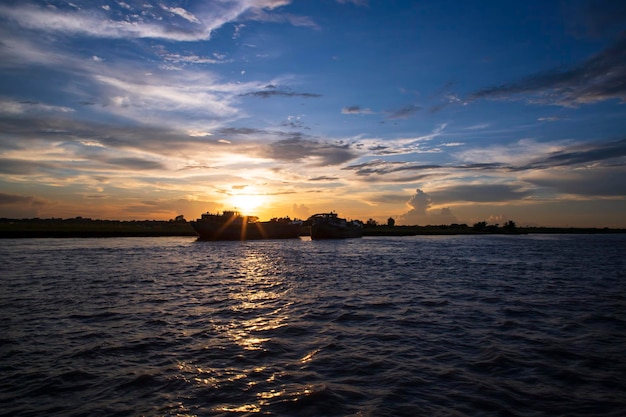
(446, 325)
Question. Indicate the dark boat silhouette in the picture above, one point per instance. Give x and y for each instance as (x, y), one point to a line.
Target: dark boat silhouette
(232, 225)
(330, 226)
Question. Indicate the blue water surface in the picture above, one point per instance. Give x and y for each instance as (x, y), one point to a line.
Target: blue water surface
(531, 325)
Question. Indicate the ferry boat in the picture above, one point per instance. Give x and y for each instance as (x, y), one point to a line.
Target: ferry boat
(232, 225)
(330, 226)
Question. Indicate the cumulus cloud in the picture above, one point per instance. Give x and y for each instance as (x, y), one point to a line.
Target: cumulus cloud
(300, 211)
(421, 211)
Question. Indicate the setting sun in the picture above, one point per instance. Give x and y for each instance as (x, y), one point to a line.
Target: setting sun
(247, 203)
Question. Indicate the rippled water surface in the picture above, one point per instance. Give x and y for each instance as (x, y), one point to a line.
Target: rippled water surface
(456, 326)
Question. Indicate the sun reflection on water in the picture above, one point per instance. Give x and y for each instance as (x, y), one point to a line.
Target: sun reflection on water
(257, 308)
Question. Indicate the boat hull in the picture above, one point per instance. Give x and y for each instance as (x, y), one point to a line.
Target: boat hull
(328, 231)
(208, 230)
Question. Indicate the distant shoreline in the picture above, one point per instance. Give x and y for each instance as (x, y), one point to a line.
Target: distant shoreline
(88, 228)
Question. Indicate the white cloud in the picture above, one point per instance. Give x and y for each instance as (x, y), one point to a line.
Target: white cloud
(182, 13)
(154, 96)
(402, 145)
(8, 106)
(96, 23)
(518, 153)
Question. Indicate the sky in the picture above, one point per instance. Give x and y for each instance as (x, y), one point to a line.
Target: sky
(429, 112)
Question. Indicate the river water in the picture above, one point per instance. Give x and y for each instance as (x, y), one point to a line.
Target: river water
(529, 325)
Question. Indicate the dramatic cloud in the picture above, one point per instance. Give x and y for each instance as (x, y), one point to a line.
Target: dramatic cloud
(599, 78)
(105, 106)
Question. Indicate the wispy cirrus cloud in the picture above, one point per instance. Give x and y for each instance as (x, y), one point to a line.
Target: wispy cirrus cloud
(604, 181)
(527, 154)
(599, 78)
(404, 112)
(319, 153)
(412, 145)
(515, 173)
(271, 90)
(179, 11)
(603, 153)
(9, 106)
(145, 20)
(128, 89)
(355, 2)
(261, 15)
(356, 110)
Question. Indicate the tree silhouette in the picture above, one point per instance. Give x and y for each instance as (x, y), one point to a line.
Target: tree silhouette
(480, 226)
(510, 226)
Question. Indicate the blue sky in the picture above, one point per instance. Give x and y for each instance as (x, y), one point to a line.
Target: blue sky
(428, 112)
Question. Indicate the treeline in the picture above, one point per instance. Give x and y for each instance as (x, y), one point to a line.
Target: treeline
(86, 227)
(373, 228)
